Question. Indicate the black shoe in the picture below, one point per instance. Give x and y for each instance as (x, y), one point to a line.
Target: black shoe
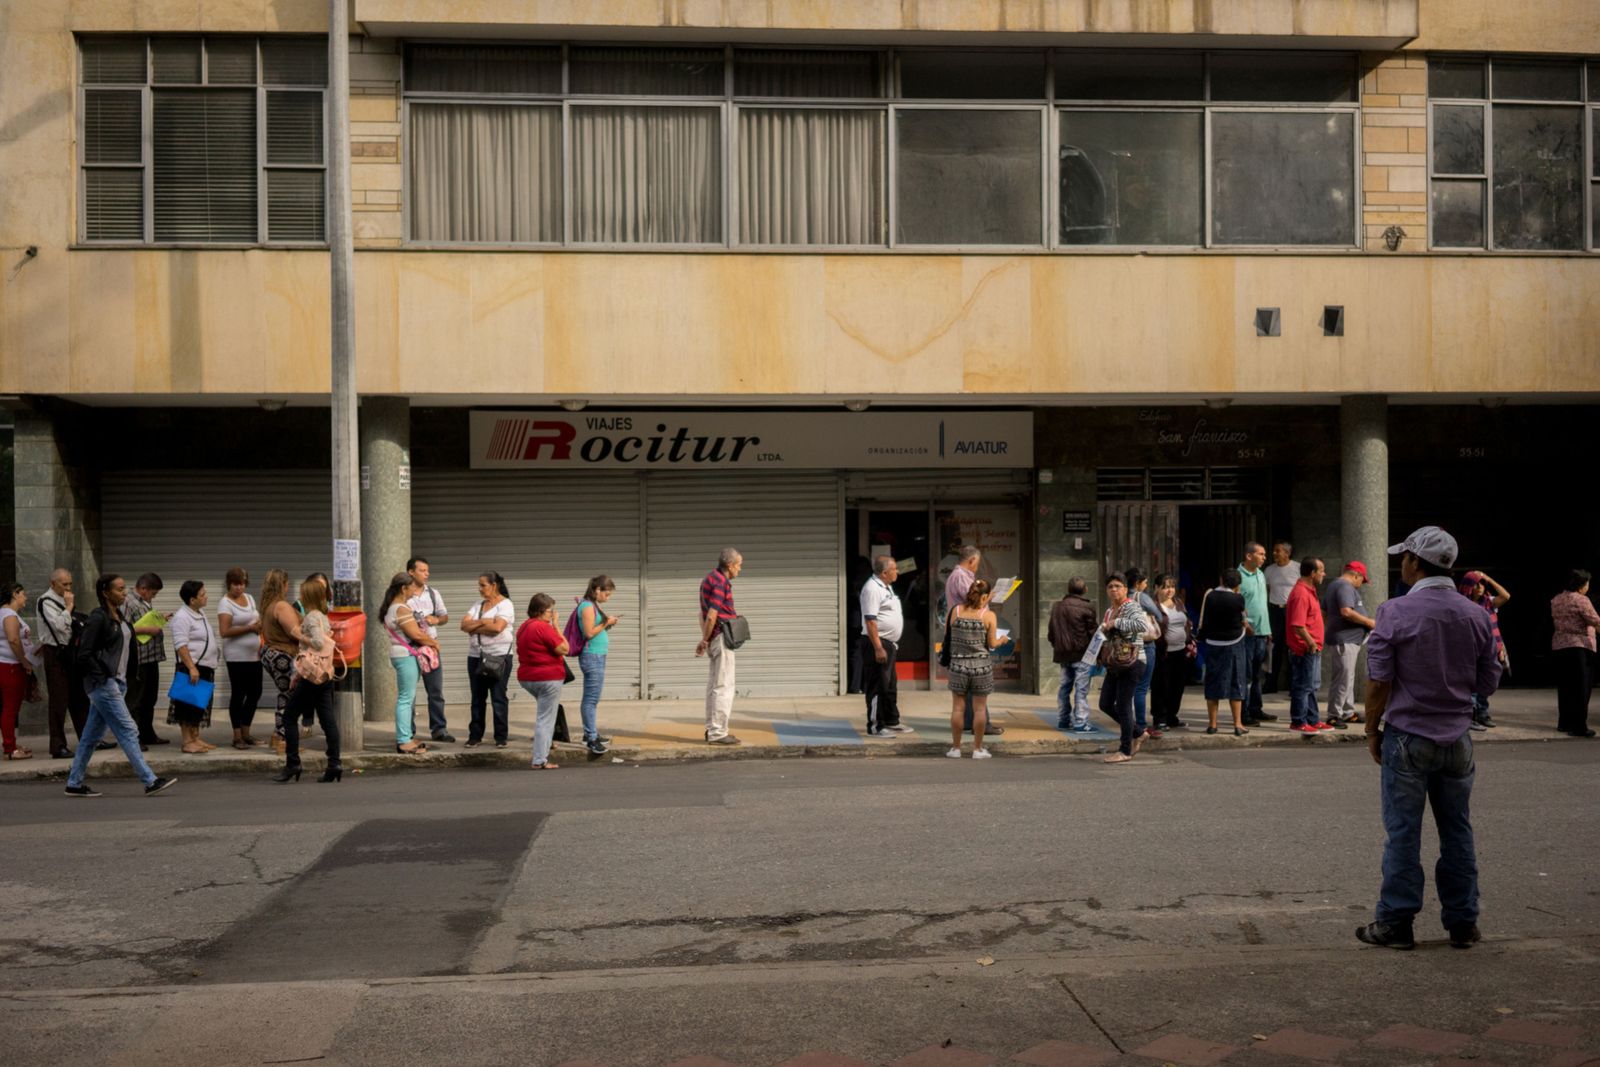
(80, 791)
(1386, 935)
(1487, 722)
(596, 747)
(104, 745)
(1211, 729)
(604, 739)
(62, 753)
(158, 785)
(1245, 720)
(157, 741)
(501, 744)
(1465, 936)
(1266, 716)
(1177, 724)
(1580, 733)
(1338, 724)
(288, 774)
(332, 774)
(444, 737)
(473, 742)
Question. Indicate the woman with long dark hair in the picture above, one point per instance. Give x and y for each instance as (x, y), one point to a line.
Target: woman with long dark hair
(280, 640)
(488, 626)
(1172, 656)
(406, 640)
(595, 625)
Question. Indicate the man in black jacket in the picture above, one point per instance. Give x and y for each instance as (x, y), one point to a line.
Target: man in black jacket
(1072, 624)
(103, 659)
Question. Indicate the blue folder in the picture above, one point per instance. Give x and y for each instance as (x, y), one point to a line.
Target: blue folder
(195, 694)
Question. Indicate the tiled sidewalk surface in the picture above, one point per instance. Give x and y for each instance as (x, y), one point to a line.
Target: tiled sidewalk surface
(673, 730)
(1513, 1041)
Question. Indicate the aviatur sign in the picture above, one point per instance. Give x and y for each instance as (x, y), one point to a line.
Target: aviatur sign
(693, 440)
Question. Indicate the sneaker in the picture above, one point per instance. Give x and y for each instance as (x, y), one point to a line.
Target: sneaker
(1324, 726)
(1465, 936)
(444, 737)
(981, 753)
(882, 733)
(1478, 726)
(1337, 724)
(596, 747)
(994, 731)
(604, 739)
(1083, 728)
(900, 728)
(725, 739)
(954, 753)
(158, 785)
(1177, 724)
(81, 791)
(472, 742)
(501, 744)
(1354, 716)
(1386, 935)
(1302, 728)
(1488, 722)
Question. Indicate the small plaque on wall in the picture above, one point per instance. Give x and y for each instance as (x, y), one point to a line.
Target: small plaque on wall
(1077, 521)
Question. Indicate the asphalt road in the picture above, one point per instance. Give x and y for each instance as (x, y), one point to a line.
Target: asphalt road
(755, 911)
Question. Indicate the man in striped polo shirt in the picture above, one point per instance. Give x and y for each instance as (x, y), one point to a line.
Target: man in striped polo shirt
(716, 604)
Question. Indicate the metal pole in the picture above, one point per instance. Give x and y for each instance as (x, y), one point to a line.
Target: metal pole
(345, 453)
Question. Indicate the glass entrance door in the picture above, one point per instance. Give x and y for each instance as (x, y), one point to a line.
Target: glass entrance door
(903, 534)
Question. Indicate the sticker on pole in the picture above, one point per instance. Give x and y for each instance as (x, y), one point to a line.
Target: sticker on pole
(346, 560)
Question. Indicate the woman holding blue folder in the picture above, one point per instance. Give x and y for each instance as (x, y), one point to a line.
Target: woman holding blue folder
(198, 654)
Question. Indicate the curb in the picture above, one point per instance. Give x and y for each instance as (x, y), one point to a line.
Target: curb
(518, 758)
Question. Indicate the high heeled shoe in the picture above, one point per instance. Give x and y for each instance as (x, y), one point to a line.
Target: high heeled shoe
(332, 774)
(288, 774)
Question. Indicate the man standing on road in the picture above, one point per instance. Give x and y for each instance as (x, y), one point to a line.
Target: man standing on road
(428, 608)
(1347, 625)
(881, 625)
(1253, 587)
(67, 697)
(716, 604)
(1282, 575)
(1072, 625)
(955, 591)
(1430, 651)
(1302, 615)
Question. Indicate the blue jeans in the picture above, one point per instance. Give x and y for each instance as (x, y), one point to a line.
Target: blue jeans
(594, 679)
(1141, 690)
(1072, 699)
(1418, 771)
(548, 697)
(1305, 674)
(1258, 652)
(108, 707)
(406, 674)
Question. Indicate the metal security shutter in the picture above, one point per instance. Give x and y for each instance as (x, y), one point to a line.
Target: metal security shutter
(197, 524)
(789, 528)
(544, 533)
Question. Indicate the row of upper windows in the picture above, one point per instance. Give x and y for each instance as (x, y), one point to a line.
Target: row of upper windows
(219, 140)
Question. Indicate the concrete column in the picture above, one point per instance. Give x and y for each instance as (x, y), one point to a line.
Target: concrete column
(1364, 489)
(385, 533)
(57, 501)
(1062, 554)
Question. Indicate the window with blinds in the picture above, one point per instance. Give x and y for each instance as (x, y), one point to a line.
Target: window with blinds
(203, 140)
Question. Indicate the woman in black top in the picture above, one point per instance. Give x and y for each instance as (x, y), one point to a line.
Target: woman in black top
(1223, 629)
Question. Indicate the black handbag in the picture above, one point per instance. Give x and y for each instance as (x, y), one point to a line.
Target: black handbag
(492, 666)
(944, 648)
(735, 632)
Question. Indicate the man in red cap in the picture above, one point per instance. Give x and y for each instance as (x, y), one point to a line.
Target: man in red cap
(1346, 624)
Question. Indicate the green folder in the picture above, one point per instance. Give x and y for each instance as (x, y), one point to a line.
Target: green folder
(149, 618)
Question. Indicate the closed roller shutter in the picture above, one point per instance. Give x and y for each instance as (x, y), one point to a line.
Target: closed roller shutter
(789, 528)
(544, 533)
(197, 524)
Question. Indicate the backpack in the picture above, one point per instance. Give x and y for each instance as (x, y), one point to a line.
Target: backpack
(317, 667)
(572, 632)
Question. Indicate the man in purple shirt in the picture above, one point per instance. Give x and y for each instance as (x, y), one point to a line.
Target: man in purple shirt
(1430, 651)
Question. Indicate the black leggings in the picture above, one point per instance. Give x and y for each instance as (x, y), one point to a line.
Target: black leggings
(244, 680)
(1116, 700)
(1574, 681)
(304, 699)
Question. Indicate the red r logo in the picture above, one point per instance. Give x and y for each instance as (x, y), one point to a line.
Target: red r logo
(558, 435)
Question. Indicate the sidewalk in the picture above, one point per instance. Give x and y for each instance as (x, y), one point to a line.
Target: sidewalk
(672, 730)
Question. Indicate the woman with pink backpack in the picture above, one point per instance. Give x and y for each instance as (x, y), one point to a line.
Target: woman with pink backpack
(588, 636)
(314, 674)
(411, 653)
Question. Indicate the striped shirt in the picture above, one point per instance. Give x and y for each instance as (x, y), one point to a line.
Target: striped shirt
(716, 594)
(134, 608)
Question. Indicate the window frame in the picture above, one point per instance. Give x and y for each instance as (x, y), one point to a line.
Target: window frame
(146, 165)
(1587, 104)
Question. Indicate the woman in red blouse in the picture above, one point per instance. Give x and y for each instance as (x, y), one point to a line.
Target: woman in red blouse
(1573, 644)
(542, 668)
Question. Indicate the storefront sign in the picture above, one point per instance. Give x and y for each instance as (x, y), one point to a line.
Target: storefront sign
(749, 440)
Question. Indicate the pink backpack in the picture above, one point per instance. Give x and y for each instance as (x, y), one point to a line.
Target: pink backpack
(572, 632)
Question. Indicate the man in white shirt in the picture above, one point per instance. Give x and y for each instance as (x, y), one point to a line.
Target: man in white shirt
(428, 607)
(882, 623)
(54, 632)
(1282, 574)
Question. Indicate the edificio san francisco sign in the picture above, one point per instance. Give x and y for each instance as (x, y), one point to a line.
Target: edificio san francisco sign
(694, 440)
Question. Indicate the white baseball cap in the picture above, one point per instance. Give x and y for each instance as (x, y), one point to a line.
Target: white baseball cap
(1429, 543)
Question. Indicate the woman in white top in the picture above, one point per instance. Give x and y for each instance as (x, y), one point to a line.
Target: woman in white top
(239, 625)
(406, 636)
(488, 623)
(1172, 656)
(198, 651)
(16, 669)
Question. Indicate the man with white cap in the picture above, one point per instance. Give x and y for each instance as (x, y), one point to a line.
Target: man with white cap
(1429, 652)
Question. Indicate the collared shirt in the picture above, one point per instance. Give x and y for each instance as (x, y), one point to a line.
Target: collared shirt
(134, 608)
(716, 594)
(1575, 621)
(956, 586)
(192, 630)
(1342, 594)
(1435, 649)
(1253, 587)
(55, 621)
(1281, 578)
(880, 604)
(1302, 610)
(428, 602)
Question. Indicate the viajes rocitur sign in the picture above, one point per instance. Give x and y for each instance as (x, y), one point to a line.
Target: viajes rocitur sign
(694, 440)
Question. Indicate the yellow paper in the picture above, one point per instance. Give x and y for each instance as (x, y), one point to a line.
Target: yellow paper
(149, 618)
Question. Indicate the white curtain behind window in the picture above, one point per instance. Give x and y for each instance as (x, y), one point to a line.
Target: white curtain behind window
(485, 173)
(811, 177)
(650, 175)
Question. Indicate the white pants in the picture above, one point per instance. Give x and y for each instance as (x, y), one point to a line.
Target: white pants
(719, 689)
(1341, 661)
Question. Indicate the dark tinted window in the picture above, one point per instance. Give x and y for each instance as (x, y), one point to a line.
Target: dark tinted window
(1306, 78)
(972, 75)
(1128, 76)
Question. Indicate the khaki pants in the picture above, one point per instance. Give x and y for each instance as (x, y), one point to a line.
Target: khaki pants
(1342, 679)
(719, 689)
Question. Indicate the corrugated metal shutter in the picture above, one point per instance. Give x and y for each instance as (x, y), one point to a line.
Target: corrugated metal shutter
(938, 485)
(545, 533)
(790, 530)
(197, 524)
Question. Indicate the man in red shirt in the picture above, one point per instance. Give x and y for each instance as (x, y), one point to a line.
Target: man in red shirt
(1303, 615)
(716, 604)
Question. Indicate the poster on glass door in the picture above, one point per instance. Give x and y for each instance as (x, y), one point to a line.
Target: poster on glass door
(997, 533)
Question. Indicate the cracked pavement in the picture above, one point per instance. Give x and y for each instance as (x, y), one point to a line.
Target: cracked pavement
(755, 910)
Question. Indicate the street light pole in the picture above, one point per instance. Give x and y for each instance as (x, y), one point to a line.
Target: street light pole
(345, 451)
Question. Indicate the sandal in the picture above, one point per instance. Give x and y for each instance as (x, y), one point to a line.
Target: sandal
(417, 747)
(547, 766)
(20, 753)
(1117, 757)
